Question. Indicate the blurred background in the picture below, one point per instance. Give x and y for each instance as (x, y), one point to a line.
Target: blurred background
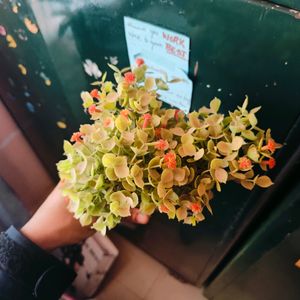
(50, 50)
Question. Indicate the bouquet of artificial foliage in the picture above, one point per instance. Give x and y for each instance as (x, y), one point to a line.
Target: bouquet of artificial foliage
(136, 153)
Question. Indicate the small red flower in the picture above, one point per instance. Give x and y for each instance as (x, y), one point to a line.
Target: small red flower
(139, 61)
(196, 208)
(244, 163)
(271, 146)
(76, 137)
(94, 93)
(124, 113)
(129, 77)
(163, 208)
(176, 114)
(92, 109)
(271, 163)
(157, 132)
(162, 145)
(147, 120)
(170, 160)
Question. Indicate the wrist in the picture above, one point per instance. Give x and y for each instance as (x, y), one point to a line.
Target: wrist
(41, 238)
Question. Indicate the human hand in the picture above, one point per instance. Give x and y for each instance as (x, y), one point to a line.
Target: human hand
(53, 226)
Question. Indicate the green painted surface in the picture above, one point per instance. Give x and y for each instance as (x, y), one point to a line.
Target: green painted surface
(293, 4)
(240, 48)
(265, 265)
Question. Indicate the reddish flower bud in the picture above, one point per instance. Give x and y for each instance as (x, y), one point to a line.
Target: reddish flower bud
(271, 163)
(162, 145)
(76, 137)
(124, 113)
(163, 208)
(147, 120)
(157, 132)
(92, 109)
(196, 208)
(94, 93)
(170, 160)
(271, 146)
(129, 77)
(244, 163)
(139, 61)
(176, 114)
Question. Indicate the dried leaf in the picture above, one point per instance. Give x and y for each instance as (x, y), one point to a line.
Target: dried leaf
(221, 175)
(224, 148)
(181, 213)
(237, 143)
(264, 181)
(249, 185)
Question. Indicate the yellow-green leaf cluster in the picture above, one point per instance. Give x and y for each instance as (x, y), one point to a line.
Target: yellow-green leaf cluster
(135, 153)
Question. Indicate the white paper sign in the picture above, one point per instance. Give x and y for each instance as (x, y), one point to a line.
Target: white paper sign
(166, 54)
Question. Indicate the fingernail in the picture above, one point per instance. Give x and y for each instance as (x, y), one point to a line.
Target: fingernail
(141, 218)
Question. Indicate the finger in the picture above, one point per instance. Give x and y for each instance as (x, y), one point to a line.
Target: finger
(138, 217)
(142, 219)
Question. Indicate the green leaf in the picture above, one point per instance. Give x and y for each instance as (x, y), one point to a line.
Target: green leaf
(68, 148)
(114, 68)
(100, 226)
(108, 159)
(252, 153)
(218, 163)
(96, 83)
(244, 106)
(252, 119)
(249, 135)
(161, 85)
(104, 76)
(175, 80)
(215, 104)
(85, 219)
(122, 123)
(87, 99)
(149, 83)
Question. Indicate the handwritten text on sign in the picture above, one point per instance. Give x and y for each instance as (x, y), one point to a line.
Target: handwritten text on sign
(165, 52)
(145, 37)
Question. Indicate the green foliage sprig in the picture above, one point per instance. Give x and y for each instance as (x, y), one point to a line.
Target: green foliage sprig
(138, 154)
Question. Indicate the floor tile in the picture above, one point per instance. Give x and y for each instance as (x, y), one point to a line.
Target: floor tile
(134, 268)
(168, 287)
(115, 290)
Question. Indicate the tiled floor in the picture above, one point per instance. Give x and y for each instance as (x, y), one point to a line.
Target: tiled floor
(137, 276)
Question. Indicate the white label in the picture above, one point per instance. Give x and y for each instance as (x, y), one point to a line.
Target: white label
(166, 54)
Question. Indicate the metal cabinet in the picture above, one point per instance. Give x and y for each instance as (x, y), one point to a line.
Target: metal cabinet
(237, 47)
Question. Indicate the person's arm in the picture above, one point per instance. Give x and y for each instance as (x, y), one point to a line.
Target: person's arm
(27, 270)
